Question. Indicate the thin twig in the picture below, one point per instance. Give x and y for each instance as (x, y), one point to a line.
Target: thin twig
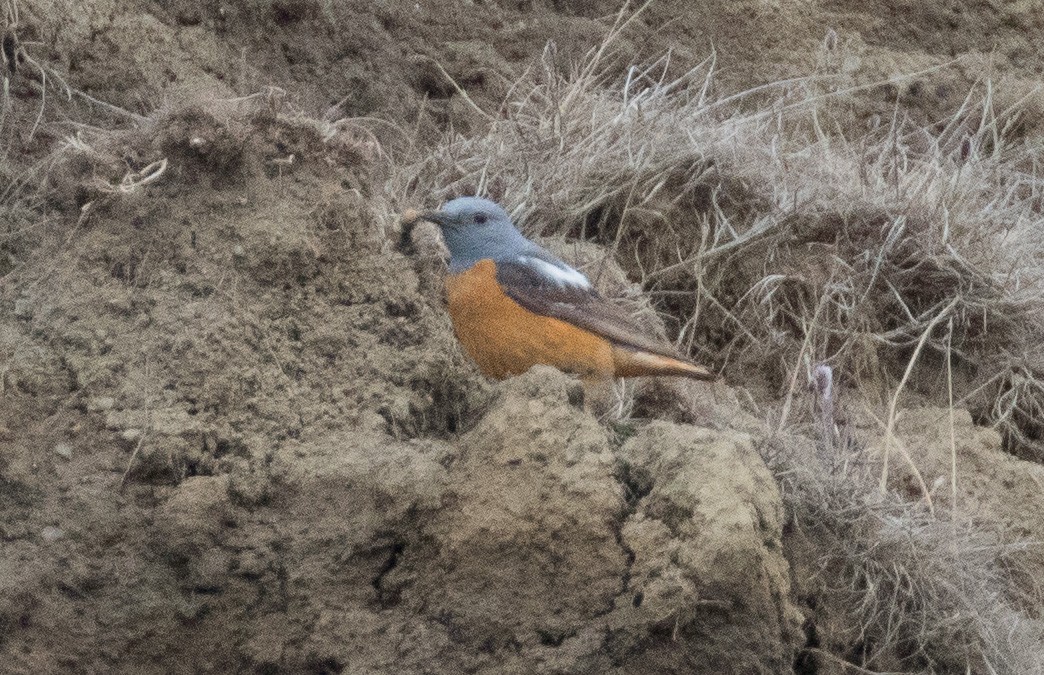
(893, 406)
(953, 433)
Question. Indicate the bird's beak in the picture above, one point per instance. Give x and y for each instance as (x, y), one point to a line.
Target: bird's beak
(411, 217)
(436, 217)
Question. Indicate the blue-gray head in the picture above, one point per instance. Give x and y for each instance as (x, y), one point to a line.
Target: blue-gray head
(475, 229)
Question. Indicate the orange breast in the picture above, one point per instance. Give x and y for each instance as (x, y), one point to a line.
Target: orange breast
(506, 339)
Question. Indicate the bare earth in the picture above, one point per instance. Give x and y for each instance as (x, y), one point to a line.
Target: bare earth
(237, 433)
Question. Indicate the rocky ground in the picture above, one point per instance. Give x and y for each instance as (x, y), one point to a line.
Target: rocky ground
(237, 433)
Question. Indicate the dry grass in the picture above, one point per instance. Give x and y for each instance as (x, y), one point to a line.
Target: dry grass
(772, 235)
(909, 591)
(778, 237)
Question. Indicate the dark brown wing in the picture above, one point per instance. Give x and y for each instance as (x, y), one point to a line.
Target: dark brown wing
(526, 282)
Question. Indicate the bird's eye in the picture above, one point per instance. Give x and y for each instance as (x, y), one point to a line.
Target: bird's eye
(480, 218)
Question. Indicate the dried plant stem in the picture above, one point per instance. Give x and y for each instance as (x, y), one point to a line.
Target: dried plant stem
(889, 436)
(787, 401)
(901, 449)
(130, 461)
(460, 90)
(953, 433)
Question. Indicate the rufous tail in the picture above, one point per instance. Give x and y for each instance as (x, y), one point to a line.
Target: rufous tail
(632, 363)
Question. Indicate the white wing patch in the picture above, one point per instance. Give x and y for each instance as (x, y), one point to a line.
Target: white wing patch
(563, 276)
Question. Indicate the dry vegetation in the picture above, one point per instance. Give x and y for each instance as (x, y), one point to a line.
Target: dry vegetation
(773, 239)
(902, 588)
(776, 239)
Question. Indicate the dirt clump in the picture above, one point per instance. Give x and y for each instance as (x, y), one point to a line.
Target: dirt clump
(708, 569)
(492, 573)
(524, 566)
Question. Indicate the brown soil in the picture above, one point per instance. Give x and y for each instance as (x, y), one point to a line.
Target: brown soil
(236, 431)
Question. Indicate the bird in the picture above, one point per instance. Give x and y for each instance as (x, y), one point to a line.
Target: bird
(514, 304)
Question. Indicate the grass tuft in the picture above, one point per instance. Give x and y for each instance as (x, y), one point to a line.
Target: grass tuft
(783, 243)
(902, 590)
(769, 235)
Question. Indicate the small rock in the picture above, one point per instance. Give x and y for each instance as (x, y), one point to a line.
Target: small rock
(100, 403)
(131, 435)
(23, 308)
(51, 533)
(63, 450)
(121, 306)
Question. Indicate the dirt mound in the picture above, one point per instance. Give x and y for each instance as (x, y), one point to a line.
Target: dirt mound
(527, 545)
(708, 561)
(538, 554)
(310, 506)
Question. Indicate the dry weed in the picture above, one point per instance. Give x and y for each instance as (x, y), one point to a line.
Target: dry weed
(778, 239)
(918, 593)
(769, 241)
